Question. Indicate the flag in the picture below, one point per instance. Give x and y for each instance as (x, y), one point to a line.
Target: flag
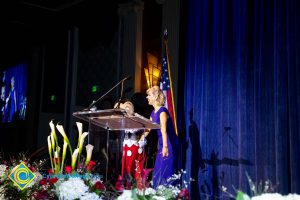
(166, 87)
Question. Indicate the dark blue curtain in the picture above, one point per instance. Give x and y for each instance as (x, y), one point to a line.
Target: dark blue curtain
(242, 95)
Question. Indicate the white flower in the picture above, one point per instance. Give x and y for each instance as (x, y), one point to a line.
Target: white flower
(95, 179)
(147, 191)
(52, 126)
(2, 171)
(82, 138)
(150, 191)
(160, 190)
(74, 158)
(126, 195)
(53, 133)
(1, 193)
(175, 190)
(293, 197)
(61, 129)
(79, 126)
(74, 188)
(90, 196)
(64, 155)
(89, 151)
(224, 189)
(276, 196)
(159, 198)
(161, 187)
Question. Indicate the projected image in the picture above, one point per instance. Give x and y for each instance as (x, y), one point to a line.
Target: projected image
(13, 93)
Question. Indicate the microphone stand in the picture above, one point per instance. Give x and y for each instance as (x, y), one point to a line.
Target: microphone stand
(94, 102)
(118, 105)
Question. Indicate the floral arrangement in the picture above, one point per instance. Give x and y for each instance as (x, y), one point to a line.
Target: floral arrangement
(168, 191)
(75, 181)
(261, 191)
(8, 189)
(75, 178)
(61, 181)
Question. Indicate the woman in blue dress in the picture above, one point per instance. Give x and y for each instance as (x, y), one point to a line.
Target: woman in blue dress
(12, 98)
(165, 162)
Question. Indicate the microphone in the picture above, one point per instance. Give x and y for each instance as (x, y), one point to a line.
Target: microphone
(122, 89)
(122, 81)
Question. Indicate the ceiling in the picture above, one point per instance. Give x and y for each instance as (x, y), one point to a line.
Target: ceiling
(38, 13)
(25, 22)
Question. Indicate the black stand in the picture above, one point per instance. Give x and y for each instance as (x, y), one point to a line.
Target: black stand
(94, 102)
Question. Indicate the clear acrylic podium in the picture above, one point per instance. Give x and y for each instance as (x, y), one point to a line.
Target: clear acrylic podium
(113, 120)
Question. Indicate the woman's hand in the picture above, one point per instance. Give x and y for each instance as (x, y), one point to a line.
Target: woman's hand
(165, 151)
(142, 142)
(144, 135)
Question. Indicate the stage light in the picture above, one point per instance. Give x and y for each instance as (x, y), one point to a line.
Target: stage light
(152, 71)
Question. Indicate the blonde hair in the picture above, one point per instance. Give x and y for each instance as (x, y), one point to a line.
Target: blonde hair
(158, 94)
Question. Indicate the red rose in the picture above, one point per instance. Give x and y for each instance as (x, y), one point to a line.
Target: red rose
(79, 165)
(119, 186)
(43, 182)
(99, 186)
(68, 169)
(41, 195)
(53, 180)
(184, 194)
(50, 171)
(90, 166)
(32, 168)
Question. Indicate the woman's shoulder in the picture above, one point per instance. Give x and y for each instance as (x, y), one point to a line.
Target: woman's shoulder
(163, 109)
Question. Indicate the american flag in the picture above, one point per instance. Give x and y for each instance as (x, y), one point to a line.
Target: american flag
(166, 87)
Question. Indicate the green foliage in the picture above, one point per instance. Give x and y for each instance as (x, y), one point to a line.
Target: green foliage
(242, 196)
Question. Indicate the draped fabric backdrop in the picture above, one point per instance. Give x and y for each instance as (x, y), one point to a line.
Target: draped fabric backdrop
(242, 95)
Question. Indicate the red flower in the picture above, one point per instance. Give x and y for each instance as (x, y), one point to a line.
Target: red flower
(90, 166)
(184, 194)
(145, 174)
(79, 165)
(68, 169)
(32, 168)
(128, 185)
(41, 195)
(53, 180)
(43, 182)
(119, 186)
(99, 186)
(50, 171)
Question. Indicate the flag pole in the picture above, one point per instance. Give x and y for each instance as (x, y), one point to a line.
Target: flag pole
(170, 77)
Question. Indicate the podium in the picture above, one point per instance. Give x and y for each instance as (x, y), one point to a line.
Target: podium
(114, 120)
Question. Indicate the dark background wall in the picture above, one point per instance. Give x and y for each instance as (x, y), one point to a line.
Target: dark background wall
(54, 38)
(39, 35)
